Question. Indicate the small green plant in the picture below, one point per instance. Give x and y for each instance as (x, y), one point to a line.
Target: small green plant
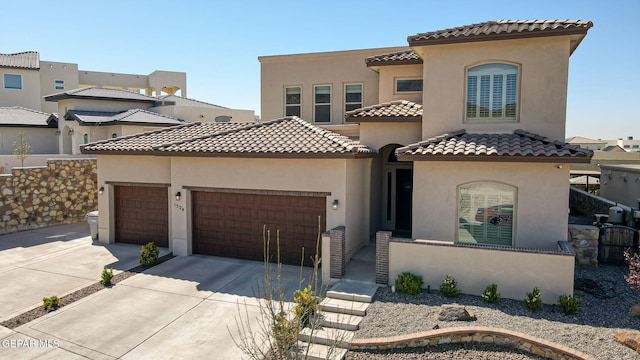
(284, 330)
(107, 275)
(569, 304)
(149, 254)
(533, 301)
(449, 287)
(409, 283)
(50, 302)
(306, 304)
(491, 294)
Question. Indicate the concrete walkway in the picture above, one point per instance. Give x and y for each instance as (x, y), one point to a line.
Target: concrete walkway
(184, 308)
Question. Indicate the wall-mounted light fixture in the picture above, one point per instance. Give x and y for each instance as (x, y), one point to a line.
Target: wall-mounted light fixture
(178, 196)
(101, 190)
(58, 132)
(70, 131)
(335, 204)
(559, 166)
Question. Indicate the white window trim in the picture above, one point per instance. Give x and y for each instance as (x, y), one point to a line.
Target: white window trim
(344, 92)
(58, 84)
(284, 99)
(478, 120)
(4, 86)
(330, 103)
(395, 85)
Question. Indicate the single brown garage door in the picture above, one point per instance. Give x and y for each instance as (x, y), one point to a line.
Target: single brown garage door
(231, 224)
(142, 215)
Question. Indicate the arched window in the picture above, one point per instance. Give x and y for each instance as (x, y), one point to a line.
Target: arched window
(492, 92)
(114, 135)
(86, 138)
(486, 213)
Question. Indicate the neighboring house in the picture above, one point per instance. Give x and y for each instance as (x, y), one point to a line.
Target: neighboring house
(27, 80)
(39, 130)
(621, 183)
(587, 143)
(199, 111)
(628, 144)
(465, 148)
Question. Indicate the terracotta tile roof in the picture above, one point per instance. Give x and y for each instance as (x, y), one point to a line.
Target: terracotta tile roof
(395, 58)
(285, 137)
(500, 29)
(519, 146)
(584, 140)
(95, 93)
(399, 110)
(22, 117)
(21, 60)
(183, 101)
(129, 117)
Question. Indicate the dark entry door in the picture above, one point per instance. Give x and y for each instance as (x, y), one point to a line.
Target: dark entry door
(404, 190)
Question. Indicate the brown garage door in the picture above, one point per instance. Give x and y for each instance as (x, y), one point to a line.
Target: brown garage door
(231, 224)
(142, 215)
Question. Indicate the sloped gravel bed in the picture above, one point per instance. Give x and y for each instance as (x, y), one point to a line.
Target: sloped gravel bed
(475, 351)
(605, 302)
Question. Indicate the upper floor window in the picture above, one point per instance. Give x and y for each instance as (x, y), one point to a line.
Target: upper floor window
(85, 138)
(58, 84)
(352, 97)
(322, 103)
(12, 81)
(486, 213)
(408, 85)
(292, 101)
(492, 92)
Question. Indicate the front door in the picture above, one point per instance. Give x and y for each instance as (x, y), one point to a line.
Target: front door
(404, 190)
(397, 190)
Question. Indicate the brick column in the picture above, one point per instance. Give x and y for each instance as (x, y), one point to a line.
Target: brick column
(382, 257)
(337, 256)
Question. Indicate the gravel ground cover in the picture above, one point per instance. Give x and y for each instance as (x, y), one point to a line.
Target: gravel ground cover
(605, 302)
(476, 351)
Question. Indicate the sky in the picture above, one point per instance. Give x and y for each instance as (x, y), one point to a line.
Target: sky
(217, 43)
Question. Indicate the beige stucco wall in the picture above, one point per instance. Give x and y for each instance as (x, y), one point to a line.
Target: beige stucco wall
(51, 71)
(516, 273)
(388, 76)
(134, 169)
(621, 184)
(541, 206)
(542, 78)
(28, 96)
(204, 114)
(306, 70)
(358, 204)
(40, 140)
(378, 134)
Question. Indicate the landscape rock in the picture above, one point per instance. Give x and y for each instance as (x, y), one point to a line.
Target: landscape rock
(455, 312)
(629, 338)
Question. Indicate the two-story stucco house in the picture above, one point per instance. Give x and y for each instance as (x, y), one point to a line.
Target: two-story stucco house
(460, 157)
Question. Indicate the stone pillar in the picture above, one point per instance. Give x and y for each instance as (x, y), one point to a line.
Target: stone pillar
(337, 256)
(382, 257)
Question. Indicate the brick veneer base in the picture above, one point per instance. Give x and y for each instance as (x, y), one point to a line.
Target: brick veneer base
(502, 337)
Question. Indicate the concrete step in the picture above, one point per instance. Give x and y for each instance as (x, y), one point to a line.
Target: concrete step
(340, 321)
(353, 291)
(327, 336)
(344, 306)
(320, 352)
(349, 296)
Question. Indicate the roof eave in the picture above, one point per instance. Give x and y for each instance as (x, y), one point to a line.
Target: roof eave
(408, 119)
(59, 97)
(498, 158)
(393, 62)
(262, 155)
(495, 37)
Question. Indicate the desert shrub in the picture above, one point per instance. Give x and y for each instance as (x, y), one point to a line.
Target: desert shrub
(569, 304)
(491, 294)
(107, 275)
(50, 302)
(306, 304)
(533, 302)
(149, 254)
(409, 283)
(284, 330)
(449, 287)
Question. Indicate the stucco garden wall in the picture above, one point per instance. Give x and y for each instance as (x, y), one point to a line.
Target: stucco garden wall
(62, 192)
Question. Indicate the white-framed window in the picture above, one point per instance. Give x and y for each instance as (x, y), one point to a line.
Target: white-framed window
(12, 81)
(492, 92)
(408, 85)
(486, 213)
(58, 84)
(322, 103)
(293, 101)
(352, 97)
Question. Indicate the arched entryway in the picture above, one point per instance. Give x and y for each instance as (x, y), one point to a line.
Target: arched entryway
(66, 140)
(396, 192)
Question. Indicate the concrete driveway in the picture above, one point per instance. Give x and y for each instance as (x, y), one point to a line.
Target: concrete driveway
(181, 309)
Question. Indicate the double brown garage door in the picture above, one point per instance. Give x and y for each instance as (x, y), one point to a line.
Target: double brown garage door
(231, 224)
(141, 214)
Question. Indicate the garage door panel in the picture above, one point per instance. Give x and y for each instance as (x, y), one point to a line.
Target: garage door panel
(231, 224)
(141, 215)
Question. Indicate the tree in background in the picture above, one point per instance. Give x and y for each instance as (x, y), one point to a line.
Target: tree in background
(21, 148)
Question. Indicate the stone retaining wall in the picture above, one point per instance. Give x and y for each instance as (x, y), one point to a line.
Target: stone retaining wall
(482, 334)
(589, 204)
(584, 240)
(62, 192)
